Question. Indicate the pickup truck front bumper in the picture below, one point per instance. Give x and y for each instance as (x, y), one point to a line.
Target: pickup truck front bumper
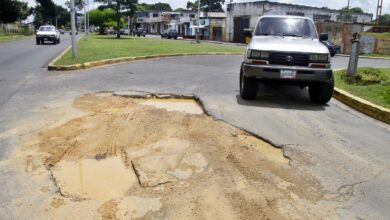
(46, 38)
(272, 72)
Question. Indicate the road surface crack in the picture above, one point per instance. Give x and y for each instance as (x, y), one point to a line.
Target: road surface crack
(347, 191)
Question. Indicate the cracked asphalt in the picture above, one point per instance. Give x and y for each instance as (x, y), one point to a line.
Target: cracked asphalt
(346, 151)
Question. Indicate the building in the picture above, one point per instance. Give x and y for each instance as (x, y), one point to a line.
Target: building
(242, 16)
(185, 22)
(212, 24)
(151, 21)
(155, 22)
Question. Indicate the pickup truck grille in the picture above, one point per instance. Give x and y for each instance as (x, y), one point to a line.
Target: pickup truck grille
(281, 59)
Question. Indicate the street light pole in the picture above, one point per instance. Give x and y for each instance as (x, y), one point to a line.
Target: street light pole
(197, 31)
(87, 17)
(73, 28)
(85, 21)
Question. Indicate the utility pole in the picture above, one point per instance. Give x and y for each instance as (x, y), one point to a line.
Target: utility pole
(85, 21)
(73, 28)
(87, 17)
(354, 57)
(379, 11)
(197, 31)
(348, 6)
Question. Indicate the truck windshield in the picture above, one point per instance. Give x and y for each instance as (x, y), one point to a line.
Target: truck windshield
(46, 29)
(295, 27)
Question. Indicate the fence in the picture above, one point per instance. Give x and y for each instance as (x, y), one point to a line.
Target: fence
(341, 34)
(16, 28)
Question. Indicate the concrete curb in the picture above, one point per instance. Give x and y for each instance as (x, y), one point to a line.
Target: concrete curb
(91, 64)
(363, 106)
(365, 57)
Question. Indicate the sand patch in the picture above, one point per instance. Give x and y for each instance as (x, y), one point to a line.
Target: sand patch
(167, 161)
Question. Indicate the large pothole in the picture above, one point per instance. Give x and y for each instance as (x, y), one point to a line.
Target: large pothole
(166, 149)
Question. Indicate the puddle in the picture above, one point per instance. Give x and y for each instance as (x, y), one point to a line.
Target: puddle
(94, 179)
(178, 105)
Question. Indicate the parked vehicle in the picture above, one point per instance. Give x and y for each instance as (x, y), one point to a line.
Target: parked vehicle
(285, 50)
(47, 33)
(110, 31)
(61, 31)
(169, 34)
(140, 32)
(333, 49)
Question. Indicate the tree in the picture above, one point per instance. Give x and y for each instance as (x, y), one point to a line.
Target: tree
(207, 5)
(44, 12)
(63, 16)
(385, 19)
(352, 10)
(346, 14)
(78, 4)
(13, 10)
(102, 18)
(120, 5)
(156, 7)
(160, 7)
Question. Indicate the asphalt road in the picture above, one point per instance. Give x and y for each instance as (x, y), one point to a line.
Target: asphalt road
(20, 60)
(347, 151)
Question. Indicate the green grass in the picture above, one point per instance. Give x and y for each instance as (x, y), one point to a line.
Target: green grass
(385, 35)
(108, 47)
(371, 84)
(9, 37)
(376, 55)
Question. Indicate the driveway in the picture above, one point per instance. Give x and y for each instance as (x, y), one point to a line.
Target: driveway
(347, 152)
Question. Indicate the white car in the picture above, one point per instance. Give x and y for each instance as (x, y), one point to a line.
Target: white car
(48, 33)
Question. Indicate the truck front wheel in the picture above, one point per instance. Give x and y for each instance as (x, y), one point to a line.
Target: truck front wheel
(321, 93)
(248, 86)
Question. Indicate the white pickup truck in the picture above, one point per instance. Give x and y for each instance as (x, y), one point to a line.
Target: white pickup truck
(48, 33)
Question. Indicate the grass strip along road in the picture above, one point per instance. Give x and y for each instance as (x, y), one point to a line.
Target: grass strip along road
(9, 37)
(108, 47)
(371, 84)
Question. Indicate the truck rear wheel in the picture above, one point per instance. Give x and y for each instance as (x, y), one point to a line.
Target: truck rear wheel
(321, 93)
(248, 86)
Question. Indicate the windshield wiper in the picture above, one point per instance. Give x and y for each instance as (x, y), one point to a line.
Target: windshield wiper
(295, 35)
(268, 34)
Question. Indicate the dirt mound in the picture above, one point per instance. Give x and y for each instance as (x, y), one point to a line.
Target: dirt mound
(143, 159)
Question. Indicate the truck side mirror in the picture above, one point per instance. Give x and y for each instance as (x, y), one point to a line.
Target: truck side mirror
(323, 37)
(248, 33)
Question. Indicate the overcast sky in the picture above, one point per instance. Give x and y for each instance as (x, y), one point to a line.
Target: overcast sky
(367, 5)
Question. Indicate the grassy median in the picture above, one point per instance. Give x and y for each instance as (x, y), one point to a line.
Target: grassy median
(371, 84)
(108, 47)
(9, 37)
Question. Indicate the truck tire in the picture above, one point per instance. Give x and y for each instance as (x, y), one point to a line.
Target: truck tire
(38, 42)
(248, 86)
(322, 92)
(59, 40)
(55, 41)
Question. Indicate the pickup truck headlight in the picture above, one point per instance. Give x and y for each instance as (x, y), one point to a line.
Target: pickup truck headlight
(257, 54)
(322, 58)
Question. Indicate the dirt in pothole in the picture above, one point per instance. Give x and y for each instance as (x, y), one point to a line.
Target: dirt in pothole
(153, 158)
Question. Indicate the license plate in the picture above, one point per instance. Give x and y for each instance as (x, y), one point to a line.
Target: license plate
(288, 74)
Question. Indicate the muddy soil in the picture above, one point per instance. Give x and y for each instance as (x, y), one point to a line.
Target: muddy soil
(128, 158)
